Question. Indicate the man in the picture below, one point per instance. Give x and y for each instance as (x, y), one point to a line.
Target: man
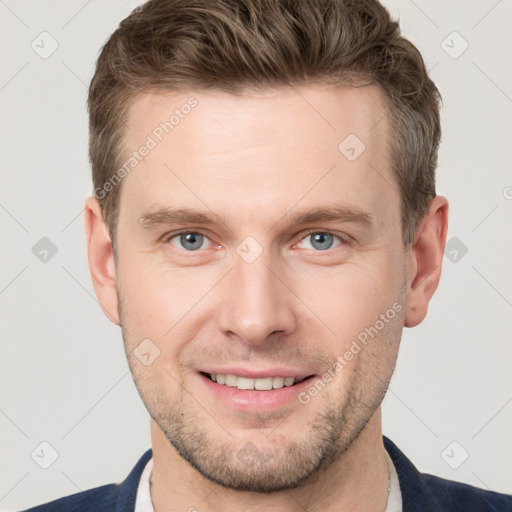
(264, 225)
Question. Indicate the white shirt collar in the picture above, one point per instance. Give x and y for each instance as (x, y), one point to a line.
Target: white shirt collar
(143, 502)
(395, 495)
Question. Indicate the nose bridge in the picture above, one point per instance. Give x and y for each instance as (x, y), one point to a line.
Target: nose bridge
(255, 303)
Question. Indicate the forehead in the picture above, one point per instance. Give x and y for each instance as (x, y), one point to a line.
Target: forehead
(228, 153)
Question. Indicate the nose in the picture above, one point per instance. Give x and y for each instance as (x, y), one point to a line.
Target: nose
(256, 303)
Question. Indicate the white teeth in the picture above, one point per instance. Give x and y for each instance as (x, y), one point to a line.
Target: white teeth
(231, 380)
(278, 382)
(289, 381)
(262, 384)
(245, 383)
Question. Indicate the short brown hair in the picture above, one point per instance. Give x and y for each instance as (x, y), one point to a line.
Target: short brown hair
(232, 45)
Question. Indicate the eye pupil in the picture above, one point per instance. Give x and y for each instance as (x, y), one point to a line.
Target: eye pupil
(191, 241)
(321, 241)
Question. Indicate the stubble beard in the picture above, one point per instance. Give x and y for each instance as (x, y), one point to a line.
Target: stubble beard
(255, 466)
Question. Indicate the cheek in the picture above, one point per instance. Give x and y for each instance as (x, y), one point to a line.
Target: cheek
(149, 290)
(161, 304)
(349, 298)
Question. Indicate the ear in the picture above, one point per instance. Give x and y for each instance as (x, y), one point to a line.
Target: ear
(425, 259)
(101, 259)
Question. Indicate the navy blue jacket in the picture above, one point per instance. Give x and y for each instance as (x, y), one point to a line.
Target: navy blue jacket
(420, 492)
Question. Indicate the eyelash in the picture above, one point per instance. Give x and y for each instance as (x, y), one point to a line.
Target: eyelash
(343, 240)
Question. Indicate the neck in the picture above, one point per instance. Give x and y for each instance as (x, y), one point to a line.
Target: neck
(356, 481)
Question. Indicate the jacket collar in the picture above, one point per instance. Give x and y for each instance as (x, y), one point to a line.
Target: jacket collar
(128, 489)
(415, 497)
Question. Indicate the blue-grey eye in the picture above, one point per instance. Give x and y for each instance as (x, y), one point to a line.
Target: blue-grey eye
(188, 241)
(321, 241)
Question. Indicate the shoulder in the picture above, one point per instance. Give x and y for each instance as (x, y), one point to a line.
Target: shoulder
(107, 498)
(425, 493)
(98, 499)
(458, 496)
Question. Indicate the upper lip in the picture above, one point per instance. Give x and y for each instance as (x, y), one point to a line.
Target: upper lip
(258, 374)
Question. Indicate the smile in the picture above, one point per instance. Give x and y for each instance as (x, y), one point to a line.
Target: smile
(248, 383)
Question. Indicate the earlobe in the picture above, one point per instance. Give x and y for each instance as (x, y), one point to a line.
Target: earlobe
(101, 259)
(425, 260)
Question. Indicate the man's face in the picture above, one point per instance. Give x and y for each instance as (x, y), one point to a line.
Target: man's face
(253, 291)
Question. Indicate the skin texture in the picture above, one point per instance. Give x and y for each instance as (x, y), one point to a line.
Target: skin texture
(253, 161)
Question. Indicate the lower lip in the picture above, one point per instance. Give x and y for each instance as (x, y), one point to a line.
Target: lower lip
(250, 400)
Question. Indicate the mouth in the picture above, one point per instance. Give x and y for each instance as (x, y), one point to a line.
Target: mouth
(255, 384)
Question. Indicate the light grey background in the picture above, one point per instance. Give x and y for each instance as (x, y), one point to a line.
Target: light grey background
(64, 377)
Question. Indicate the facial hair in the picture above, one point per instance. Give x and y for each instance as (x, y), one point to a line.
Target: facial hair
(272, 463)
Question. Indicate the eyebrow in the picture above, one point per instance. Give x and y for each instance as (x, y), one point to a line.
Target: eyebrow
(165, 216)
(168, 216)
(330, 214)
